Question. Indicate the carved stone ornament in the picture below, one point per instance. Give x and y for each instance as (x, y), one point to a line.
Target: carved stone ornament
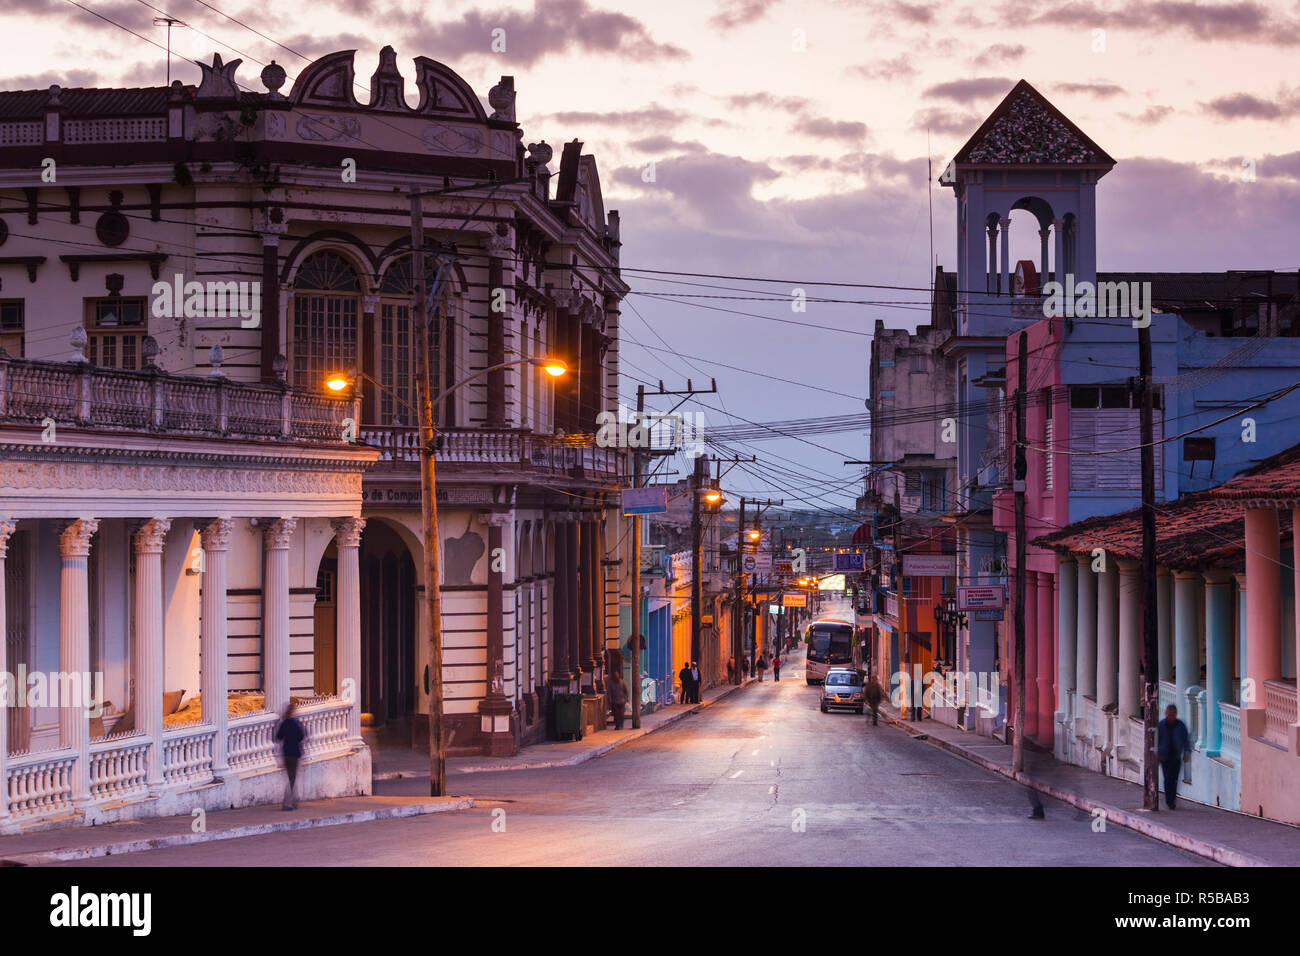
(347, 531)
(277, 535)
(151, 535)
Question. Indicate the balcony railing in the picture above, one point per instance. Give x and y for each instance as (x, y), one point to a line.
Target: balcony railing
(1279, 710)
(399, 450)
(86, 396)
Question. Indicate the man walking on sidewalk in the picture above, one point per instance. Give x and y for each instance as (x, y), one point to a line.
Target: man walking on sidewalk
(776, 667)
(1173, 748)
(873, 693)
(696, 680)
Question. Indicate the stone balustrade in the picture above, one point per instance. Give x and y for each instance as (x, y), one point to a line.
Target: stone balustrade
(187, 755)
(252, 741)
(152, 400)
(41, 783)
(118, 766)
(400, 445)
(1279, 711)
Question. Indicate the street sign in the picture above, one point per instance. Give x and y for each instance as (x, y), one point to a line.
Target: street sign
(929, 565)
(853, 561)
(756, 563)
(796, 600)
(783, 566)
(645, 501)
(988, 615)
(982, 598)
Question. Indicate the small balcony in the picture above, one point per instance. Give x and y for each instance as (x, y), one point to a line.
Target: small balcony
(475, 450)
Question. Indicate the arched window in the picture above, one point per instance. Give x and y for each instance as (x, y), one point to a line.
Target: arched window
(326, 300)
(398, 338)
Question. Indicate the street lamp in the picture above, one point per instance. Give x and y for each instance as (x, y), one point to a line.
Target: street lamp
(428, 507)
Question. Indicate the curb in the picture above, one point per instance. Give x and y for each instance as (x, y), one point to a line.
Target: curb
(1216, 852)
(234, 833)
(583, 757)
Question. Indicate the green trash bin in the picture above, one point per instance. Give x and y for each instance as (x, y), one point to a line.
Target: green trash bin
(568, 716)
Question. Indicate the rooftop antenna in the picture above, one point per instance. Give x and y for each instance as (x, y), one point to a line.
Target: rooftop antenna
(929, 195)
(169, 22)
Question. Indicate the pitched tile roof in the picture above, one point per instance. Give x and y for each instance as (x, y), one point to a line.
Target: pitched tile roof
(25, 104)
(1199, 530)
(1027, 130)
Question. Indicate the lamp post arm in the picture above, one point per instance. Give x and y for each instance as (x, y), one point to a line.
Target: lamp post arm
(473, 375)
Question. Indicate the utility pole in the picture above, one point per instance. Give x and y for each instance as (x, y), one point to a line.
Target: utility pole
(737, 614)
(906, 688)
(1022, 469)
(1150, 641)
(697, 556)
(428, 508)
(636, 577)
(740, 544)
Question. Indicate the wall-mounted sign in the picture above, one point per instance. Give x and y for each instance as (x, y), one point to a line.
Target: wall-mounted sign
(853, 561)
(783, 566)
(982, 598)
(796, 600)
(645, 501)
(929, 565)
(988, 615)
(756, 563)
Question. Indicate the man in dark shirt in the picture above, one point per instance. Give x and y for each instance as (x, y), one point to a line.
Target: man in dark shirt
(1173, 748)
(291, 735)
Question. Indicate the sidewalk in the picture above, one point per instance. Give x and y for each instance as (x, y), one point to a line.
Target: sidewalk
(133, 836)
(1233, 839)
(399, 763)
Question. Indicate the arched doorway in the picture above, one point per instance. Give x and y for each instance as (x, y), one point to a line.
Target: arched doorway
(389, 682)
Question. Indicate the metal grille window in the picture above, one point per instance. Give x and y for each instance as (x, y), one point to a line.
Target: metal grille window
(325, 301)
(398, 342)
(116, 328)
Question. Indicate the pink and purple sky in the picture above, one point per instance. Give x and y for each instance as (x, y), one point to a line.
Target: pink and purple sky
(789, 140)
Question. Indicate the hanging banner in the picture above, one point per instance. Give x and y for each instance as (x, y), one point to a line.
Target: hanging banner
(981, 598)
(645, 501)
(929, 565)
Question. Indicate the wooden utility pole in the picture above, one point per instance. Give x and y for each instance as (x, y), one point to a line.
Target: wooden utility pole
(428, 508)
(1150, 639)
(635, 689)
(738, 612)
(1022, 469)
(697, 557)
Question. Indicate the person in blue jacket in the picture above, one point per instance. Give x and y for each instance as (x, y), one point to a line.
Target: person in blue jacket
(291, 735)
(1173, 749)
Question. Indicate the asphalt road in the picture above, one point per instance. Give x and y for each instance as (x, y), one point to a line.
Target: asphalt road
(761, 778)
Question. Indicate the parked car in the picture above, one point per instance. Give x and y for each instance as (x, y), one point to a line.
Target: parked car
(842, 688)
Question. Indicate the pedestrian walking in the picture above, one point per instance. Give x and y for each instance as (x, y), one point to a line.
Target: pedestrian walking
(1173, 749)
(873, 693)
(731, 670)
(761, 666)
(744, 666)
(776, 667)
(684, 675)
(291, 736)
(617, 691)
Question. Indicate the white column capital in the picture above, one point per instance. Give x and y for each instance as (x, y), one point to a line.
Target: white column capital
(74, 539)
(1240, 578)
(7, 528)
(150, 536)
(277, 534)
(216, 534)
(348, 531)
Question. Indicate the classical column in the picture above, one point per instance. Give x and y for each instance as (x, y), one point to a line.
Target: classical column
(7, 528)
(1067, 577)
(147, 638)
(561, 675)
(1186, 638)
(1046, 661)
(498, 247)
(213, 666)
(1130, 637)
(1058, 258)
(277, 535)
(1263, 610)
(991, 273)
(1165, 623)
(575, 609)
(1107, 635)
(585, 623)
(1085, 673)
(1004, 265)
(1031, 654)
(269, 319)
(1218, 652)
(74, 647)
(347, 537)
(1240, 578)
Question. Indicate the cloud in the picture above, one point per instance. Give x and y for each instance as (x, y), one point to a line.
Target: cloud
(738, 13)
(1097, 89)
(1212, 22)
(951, 122)
(1000, 53)
(915, 12)
(831, 129)
(43, 81)
(1250, 106)
(768, 101)
(1150, 115)
(899, 68)
(653, 116)
(552, 26)
(969, 91)
(661, 144)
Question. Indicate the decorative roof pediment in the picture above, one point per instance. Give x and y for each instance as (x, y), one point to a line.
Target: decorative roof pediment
(326, 82)
(329, 81)
(443, 91)
(1027, 130)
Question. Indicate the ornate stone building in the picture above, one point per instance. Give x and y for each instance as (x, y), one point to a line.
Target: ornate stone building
(181, 270)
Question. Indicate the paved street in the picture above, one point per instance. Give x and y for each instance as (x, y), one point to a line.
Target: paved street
(729, 785)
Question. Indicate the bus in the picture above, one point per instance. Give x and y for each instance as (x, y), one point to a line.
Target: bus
(830, 644)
